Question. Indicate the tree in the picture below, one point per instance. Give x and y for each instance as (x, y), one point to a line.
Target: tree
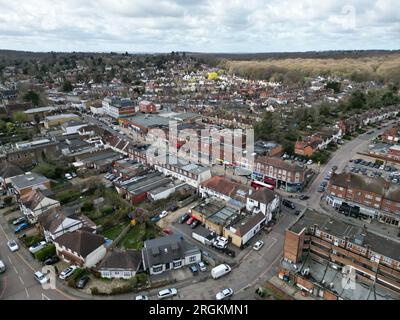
(20, 117)
(31, 96)
(357, 100)
(67, 86)
(334, 85)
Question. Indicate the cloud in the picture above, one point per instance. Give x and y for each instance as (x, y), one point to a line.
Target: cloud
(199, 25)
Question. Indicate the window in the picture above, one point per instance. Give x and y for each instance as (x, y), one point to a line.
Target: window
(349, 245)
(157, 268)
(177, 264)
(192, 259)
(378, 198)
(367, 196)
(106, 274)
(127, 274)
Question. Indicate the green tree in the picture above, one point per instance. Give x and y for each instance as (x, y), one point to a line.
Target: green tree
(67, 86)
(334, 85)
(19, 117)
(32, 96)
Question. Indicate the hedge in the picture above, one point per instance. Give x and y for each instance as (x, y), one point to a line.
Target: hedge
(46, 252)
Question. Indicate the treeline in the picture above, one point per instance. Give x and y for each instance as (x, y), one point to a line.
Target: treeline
(382, 69)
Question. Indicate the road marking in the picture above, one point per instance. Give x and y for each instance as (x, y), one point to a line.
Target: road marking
(44, 297)
(27, 293)
(5, 234)
(22, 281)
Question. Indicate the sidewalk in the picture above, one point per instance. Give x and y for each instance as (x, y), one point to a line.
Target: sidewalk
(289, 290)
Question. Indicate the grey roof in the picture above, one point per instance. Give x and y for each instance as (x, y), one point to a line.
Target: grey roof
(118, 259)
(165, 250)
(27, 180)
(150, 121)
(43, 109)
(10, 170)
(340, 229)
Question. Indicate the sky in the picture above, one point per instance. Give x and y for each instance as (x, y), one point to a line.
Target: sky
(199, 25)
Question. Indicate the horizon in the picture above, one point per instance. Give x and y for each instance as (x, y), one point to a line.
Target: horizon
(199, 26)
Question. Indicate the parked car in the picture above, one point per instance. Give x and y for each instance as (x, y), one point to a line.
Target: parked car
(303, 197)
(2, 267)
(37, 247)
(155, 219)
(226, 293)
(74, 175)
(297, 212)
(310, 162)
(184, 218)
(67, 272)
(21, 227)
(193, 269)
(202, 266)
(258, 245)
(168, 231)
(190, 221)
(19, 221)
(141, 297)
(82, 282)
(195, 224)
(173, 207)
(163, 214)
(220, 271)
(220, 242)
(51, 260)
(68, 176)
(12, 245)
(288, 204)
(167, 293)
(41, 278)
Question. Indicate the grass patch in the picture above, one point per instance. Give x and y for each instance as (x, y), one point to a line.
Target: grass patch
(135, 237)
(114, 232)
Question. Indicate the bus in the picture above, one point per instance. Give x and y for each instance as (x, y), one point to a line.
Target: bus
(261, 185)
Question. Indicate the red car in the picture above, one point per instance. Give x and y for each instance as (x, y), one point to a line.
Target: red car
(190, 221)
(168, 231)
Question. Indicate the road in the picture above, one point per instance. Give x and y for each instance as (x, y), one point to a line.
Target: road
(340, 159)
(18, 282)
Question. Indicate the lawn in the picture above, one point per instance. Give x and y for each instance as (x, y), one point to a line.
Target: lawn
(114, 232)
(138, 234)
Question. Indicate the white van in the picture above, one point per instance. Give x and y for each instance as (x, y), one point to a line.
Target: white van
(220, 271)
(2, 267)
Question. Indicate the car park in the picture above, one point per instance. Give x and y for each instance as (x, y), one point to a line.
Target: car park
(12, 245)
(167, 293)
(41, 278)
(224, 294)
(65, 274)
(37, 247)
(258, 245)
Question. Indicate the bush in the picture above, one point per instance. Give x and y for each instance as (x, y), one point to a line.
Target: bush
(121, 290)
(79, 273)
(8, 200)
(87, 206)
(68, 196)
(47, 251)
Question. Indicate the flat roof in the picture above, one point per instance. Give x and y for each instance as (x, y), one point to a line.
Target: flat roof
(341, 229)
(223, 216)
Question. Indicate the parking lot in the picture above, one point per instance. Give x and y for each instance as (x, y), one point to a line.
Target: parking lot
(374, 169)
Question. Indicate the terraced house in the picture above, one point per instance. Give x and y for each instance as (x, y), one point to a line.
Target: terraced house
(376, 197)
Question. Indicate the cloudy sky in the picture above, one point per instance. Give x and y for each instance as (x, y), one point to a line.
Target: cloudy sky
(199, 25)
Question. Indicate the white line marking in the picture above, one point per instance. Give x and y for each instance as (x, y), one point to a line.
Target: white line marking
(27, 293)
(22, 281)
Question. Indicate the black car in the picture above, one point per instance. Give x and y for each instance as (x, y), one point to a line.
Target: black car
(195, 224)
(184, 218)
(297, 213)
(82, 282)
(288, 204)
(230, 252)
(51, 261)
(173, 207)
(303, 197)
